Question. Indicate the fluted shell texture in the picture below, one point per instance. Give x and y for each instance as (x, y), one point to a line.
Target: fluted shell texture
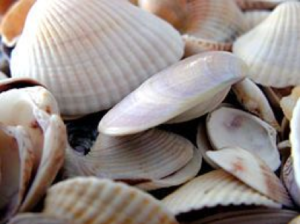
(92, 54)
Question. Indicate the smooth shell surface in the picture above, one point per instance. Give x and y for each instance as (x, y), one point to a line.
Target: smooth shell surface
(100, 53)
(288, 103)
(71, 200)
(172, 92)
(270, 49)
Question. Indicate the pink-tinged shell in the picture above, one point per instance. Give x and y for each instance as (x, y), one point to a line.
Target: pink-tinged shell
(252, 171)
(111, 203)
(259, 4)
(173, 91)
(100, 53)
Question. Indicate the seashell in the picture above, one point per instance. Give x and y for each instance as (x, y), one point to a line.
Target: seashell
(194, 45)
(4, 6)
(172, 92)
(295, 220)
(288, 103)
(288, 177)
(250, 216)
(133, 158)
(2, 76)
(36, 218)
(252, 171)
(254, 100)
(13, 22)
(253, 18)
(113, 54)
(17, 161)
(213, 189)
(71, 200)
(268, 62)
(228, 127)
(204, 145)
(259, 4)
(181, 176)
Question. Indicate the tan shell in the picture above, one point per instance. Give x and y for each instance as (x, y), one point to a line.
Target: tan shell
(172, 92)
(72, 200)
(252, 171)
(213, 189)
(114, 45)
(36, 218)
(228, 127)
(288, 103)
(4, 6)
(261, 48)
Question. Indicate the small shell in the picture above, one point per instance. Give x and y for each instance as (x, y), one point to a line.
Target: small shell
(72, 200)
(213, 189)
(228, 127)
(173, 92)
(288, 103)
(254, 100)
(36, 218)
(114, 45)
(261, 48)
(252, 171)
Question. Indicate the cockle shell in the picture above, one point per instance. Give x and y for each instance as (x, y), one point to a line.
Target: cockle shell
(114, 45)
(254, 100)
(12, 23)
(17, 161)
(111, 203)
(213, 189)
(252, 171)
(148, 156)
(261, 48)
(231, 127)
(173, 91)
(37, 218)
(288, 103)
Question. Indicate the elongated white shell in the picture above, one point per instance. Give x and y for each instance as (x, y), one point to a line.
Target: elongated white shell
(99, 53)
(270, 49)
(111, 203)
(173, 91)
(252, 171)
(213, 189)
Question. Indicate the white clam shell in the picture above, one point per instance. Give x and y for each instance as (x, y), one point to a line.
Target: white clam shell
(213, 189)
(228, 127)
(253, 18)
(72, 200)
(100, 53)
(172, 92)
(261, 48)
(252, 171)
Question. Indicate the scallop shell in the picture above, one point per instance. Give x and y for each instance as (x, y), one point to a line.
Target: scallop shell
(36, 218)
(254, 100)
(147, 156)
(252, 171)
(13, 22)
(173, 92)
(213, 189)
(114, 45)
(268, 60)
(288, 103)
(17, 161)
(71, 200)
(231, 127)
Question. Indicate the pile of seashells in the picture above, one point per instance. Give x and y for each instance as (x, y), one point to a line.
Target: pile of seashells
(150, 111)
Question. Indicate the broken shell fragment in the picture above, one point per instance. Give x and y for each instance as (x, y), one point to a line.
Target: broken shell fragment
(114, 45)
(228, 127)
(213, 189)
(252, 171)
(72, 200)
(261, 48)
(173, 91)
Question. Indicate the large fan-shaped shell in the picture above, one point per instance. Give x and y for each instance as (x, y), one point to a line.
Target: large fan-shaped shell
(173, 91)
(94, 201)
(99, 53)
(271, 48)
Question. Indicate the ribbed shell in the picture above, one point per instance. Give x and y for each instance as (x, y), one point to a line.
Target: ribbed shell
(37, 218)
(270, 49)
(173, 91)
(288, 103)
(154, 154)
(94, 201)
(253, 18)
(252, 171)
(213, 189)
(92, 54)
(228, 127)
